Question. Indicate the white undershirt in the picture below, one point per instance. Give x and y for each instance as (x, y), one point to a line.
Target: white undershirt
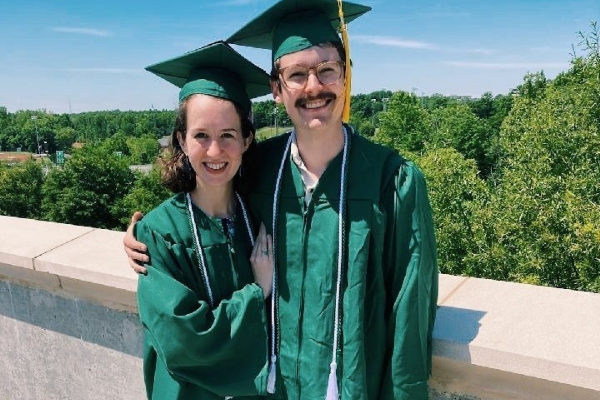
(309, 180)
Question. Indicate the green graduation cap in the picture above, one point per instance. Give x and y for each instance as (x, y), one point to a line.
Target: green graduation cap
(215, 70)
(293, 25)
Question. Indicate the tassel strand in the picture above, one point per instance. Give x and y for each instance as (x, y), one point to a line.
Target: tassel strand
(332, 385)
(272, 375)
(348, 69)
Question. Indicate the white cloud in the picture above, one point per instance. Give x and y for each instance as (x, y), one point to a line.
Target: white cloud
(507, 65)
(478, 51)
(393, 42)
(106, 70)
(415, 44)
(549, 49)
(82, 31)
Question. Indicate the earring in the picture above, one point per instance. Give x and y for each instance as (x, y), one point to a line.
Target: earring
(240, 171)
(187, 167)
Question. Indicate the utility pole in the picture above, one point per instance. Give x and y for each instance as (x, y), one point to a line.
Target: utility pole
(373, 101)
(275, 120)
(385, 100)
(37, 137)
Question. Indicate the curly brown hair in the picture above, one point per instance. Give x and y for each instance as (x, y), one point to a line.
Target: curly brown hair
(177, 173)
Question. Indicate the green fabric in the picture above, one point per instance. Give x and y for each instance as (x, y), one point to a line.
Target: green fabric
(216, 70)
(390, 279)
(302, 31)
(293, 25)
(191, 351)
(217, 83)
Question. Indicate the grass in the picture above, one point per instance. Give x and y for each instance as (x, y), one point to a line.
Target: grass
(17, 157)
(269, 131)
(14, 157)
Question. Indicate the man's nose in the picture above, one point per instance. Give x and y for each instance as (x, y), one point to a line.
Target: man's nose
(312, 82)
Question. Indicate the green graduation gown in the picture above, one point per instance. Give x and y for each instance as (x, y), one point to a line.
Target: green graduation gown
(190, 350)
(389, 279)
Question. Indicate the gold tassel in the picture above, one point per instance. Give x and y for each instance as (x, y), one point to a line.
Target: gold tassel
(348, 72)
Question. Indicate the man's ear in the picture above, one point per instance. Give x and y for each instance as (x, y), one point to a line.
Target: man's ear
(276, 90)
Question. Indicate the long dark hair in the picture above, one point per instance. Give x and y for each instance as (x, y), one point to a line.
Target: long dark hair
(177, 173)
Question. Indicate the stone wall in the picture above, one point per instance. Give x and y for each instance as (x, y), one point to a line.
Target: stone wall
(69, 327)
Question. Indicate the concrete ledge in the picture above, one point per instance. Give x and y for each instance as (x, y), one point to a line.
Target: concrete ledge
(22, 240)
(67, 259)
(516, 338)
(454, 380)
(492, 340)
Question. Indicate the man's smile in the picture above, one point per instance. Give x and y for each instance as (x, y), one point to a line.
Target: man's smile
(321, 100)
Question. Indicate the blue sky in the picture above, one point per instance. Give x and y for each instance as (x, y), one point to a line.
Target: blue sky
(75, 56)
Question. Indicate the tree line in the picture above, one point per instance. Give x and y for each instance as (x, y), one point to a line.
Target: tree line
(513, 179)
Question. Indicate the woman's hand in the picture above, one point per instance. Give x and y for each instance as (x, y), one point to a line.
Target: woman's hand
(136, 251)
(262, 261)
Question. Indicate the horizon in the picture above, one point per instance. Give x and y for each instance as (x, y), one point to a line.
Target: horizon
(71, 57)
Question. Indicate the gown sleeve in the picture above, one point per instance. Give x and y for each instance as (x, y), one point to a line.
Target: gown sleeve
(223, 350)
(410, 267)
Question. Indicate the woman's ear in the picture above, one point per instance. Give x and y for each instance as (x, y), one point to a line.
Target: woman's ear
(181, 141)
(247, 141)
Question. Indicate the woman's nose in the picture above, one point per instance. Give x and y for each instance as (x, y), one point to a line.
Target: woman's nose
(214, 148)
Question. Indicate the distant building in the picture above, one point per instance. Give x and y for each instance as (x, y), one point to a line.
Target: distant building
(461, 98)
(143, 168)
(164, 142)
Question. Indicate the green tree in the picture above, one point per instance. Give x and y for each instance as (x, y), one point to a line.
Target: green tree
(406, 125)
(146, 194)
(20, 190)
(65, 137)
(117, 144)
(484, 106)
(458, 127)
(436, 101)
(549, 197)
(365, 107)
(533, 86)
(143, 150)
(366, 128)
(84, 191)
(458, 197)
(262, 112)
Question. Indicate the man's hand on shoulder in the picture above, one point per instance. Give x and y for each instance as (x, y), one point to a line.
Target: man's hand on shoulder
(136, 251)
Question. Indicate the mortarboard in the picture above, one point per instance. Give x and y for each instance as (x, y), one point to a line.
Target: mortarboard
(215, 70)
(294, 25)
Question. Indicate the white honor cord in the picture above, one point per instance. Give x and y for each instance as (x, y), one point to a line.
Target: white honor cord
(200, 253)
(246, 219)
(332, 391)
(332, 386)
(272, 370)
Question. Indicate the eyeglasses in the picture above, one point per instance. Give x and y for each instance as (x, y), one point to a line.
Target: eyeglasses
(296, 76)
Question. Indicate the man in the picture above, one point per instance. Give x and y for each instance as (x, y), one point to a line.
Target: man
(356, 283)
(355, 289)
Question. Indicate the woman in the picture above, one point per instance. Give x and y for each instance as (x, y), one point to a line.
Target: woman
(202, 302)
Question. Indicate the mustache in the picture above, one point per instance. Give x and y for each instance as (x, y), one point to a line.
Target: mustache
(321, 96)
